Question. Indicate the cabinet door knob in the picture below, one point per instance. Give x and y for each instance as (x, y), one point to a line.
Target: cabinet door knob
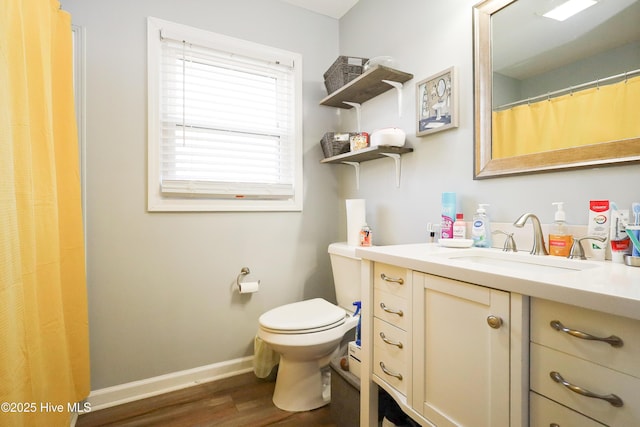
(494, 321)
(612, 340)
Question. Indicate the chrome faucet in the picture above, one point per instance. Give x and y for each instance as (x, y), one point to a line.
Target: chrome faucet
(539, 247)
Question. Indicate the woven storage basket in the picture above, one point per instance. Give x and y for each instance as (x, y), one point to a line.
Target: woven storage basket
(342, 71)
(335, 143)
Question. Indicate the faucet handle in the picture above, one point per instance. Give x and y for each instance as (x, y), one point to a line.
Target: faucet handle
(509, 242)
(577, 250)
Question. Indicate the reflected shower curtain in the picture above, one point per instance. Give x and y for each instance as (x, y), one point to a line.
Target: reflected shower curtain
(44, 355)
(599, 114)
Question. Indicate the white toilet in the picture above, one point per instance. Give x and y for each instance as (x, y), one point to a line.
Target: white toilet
(307, 333)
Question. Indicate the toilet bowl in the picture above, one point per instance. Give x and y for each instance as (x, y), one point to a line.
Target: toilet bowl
(306, 334)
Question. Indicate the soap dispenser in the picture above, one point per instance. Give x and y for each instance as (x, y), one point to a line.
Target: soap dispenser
(560, 240)
(481, 228)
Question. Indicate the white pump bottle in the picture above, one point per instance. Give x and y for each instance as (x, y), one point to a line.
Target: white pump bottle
(481, 228)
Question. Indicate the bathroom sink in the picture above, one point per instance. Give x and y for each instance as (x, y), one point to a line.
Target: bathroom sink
(521, 262)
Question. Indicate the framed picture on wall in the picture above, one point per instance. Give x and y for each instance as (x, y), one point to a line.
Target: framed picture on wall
(436, 103)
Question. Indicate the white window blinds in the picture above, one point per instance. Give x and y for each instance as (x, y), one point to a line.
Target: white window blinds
(227, 119)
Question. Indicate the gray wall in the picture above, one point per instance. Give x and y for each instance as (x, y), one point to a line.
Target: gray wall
(426, 37)
(160, 285)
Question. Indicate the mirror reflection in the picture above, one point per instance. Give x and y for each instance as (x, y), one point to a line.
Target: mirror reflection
(558, 92)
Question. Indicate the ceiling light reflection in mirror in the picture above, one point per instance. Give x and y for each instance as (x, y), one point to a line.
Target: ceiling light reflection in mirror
(568, 9)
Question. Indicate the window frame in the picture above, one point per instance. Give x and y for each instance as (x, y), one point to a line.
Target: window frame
(159, 202)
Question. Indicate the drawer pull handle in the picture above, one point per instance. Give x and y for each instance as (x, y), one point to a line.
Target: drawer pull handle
(386, 278)
(612, 340)
(391, 310)
(388, 341)
(611, 398)
(388, 372)
(554, 425)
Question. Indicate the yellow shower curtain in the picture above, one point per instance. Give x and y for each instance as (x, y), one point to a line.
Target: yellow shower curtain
(44, 356)
(590, 116)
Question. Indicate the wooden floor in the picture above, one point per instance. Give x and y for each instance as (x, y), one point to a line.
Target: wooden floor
(242, 400)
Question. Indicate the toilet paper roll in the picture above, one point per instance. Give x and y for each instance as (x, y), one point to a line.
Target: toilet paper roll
(355, 220)
(249, 287)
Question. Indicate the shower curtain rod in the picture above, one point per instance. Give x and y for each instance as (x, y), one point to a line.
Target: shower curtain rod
(569, 89)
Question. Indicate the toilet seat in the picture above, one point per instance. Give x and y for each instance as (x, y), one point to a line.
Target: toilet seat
(308, 316)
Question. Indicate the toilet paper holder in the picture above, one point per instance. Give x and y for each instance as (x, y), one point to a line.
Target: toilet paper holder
(243, 272)
(246, 287)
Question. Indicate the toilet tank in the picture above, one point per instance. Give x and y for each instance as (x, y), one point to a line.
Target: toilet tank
(346, 274)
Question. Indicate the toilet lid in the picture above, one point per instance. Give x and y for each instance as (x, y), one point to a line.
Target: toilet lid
(305, 316)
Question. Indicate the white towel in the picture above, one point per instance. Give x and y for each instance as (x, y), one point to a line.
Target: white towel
(264, 358)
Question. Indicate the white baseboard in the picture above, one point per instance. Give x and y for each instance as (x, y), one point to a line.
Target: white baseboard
(136, 390)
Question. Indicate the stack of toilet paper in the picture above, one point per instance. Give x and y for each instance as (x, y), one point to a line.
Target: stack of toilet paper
(355, 220)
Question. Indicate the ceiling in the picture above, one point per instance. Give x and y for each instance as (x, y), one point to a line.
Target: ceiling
(526, 44)
(333, 8)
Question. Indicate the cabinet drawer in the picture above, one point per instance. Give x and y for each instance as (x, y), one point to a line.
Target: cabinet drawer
(395, 375)
(390, 342)
(391, 279)
(544, 412)
(589, 376)
(595, 323)
(390, 362)
(390, 308)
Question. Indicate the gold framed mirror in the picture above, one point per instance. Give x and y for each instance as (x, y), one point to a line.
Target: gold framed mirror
(554, 149)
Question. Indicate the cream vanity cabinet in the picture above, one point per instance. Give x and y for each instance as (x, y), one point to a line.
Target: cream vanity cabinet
(585, 367)
(485, 346)
(443, 348)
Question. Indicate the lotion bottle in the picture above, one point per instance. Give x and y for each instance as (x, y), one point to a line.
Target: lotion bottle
(481, 230)
(459, 227)
(560, 240)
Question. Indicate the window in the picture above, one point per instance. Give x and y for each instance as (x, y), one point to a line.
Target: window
(224, 122)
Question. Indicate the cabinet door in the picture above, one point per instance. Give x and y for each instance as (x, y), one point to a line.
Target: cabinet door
(461, 375)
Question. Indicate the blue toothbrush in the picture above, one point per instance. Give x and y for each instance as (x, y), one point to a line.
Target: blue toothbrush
(635, 234)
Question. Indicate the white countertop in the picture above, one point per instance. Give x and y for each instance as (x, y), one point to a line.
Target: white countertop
(604, 286)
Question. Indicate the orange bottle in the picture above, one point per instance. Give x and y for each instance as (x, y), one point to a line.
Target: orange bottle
(560, 240)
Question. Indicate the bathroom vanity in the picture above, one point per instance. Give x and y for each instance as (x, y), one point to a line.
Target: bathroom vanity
(480, 337)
